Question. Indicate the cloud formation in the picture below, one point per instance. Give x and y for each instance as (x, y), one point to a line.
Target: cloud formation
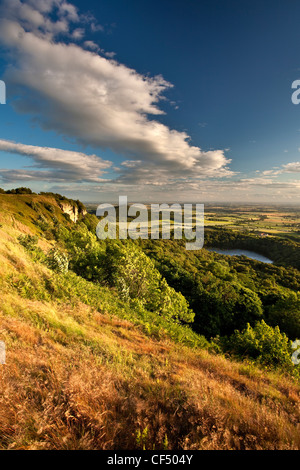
(64, 165)
(242, 190)
(91, 97)
(292, 167)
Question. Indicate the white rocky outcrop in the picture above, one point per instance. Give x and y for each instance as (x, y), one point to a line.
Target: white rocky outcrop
(72, 210)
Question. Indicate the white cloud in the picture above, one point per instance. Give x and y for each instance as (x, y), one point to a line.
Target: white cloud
(247, 190)
(95, 99)
(78, 33)
(95, 27)
(293, 167)
(110, 55)
(32, 16)
(131, 163)
(65, 165)
(91, 45)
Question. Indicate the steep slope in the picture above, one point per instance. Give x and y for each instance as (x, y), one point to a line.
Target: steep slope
(85, 371)
(33, 210)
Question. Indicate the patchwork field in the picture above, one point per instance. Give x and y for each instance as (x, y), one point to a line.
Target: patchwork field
(262, 220)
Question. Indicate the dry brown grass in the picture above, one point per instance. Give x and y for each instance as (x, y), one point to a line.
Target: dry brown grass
(56, 396)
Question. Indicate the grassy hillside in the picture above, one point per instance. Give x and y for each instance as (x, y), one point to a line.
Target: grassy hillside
(87, 369)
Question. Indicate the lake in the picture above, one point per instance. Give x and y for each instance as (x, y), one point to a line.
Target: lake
(236, 252)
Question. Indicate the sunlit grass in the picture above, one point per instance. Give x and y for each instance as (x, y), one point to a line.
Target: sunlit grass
(86, 371)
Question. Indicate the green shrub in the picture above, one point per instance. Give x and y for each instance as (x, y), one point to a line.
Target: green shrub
(49, 207)
(134, 275)
(57, 260)
(33, 205)
(23, 191)
(87, 254)
(285, 313)
(263, 343)
(30, 243)
(42, 223)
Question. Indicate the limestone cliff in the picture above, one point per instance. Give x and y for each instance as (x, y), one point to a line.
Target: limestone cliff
(72, 210)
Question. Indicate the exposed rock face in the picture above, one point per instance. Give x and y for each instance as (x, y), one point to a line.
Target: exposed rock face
(72, 211)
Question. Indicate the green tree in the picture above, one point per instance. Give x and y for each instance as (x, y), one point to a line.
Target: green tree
(134, 275)
(265, 344)
(286, 314)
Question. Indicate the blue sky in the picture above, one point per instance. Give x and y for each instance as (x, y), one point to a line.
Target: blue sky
(159, 100)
